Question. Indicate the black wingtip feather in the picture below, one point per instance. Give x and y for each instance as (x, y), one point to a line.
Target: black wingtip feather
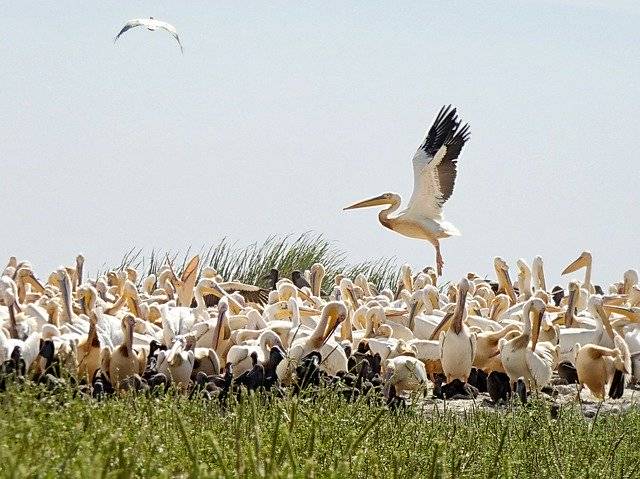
(445, 130)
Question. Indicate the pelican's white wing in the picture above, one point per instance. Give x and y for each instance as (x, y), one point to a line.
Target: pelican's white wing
(541, 363)
(31, 349)
(434, 165)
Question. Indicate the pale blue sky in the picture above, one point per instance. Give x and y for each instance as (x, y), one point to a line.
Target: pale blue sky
(279, 115)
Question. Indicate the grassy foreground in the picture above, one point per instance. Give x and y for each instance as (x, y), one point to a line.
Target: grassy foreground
(61, 435)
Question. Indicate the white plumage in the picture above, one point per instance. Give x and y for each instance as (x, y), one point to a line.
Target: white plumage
(152, 24)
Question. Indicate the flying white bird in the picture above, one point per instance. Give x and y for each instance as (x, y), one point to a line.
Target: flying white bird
(152, 24)
(434, 175)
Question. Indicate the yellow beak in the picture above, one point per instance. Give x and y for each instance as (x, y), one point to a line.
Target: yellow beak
(581, 262)
(629, 313)
(377, 201)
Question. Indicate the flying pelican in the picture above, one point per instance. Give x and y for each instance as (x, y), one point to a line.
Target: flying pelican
(152, 25)
(434, 175)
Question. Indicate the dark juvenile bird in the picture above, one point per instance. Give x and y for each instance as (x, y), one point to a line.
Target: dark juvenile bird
(521, 390)
(478, 379)
(276, 355)
(254, 377)
(557, 293)
(616, 390)
(273, 277)
(567, 371)
(498, 386)
(299, 280)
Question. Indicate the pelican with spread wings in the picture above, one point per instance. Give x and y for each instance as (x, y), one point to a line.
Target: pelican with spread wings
(152, 24)
(434, 176)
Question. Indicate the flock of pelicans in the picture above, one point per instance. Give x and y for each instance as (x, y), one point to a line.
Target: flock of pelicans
(203, 335)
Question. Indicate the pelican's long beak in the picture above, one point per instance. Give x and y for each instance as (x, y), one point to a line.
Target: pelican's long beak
(377, 201)
(413, 310)
(553, 309)
(441, 326)
(307, 312)
(37, 285)
(579, 263)
(535, 330)
(629, 313)
(176, 349)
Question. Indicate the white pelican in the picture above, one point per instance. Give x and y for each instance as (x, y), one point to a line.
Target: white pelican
(523, 356)
(152, 25)
(126, 362)
(457, 343)
(596, 365)
(321, 340)
(434, 175)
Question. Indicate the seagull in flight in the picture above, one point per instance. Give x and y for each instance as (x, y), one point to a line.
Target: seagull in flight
(152, 24)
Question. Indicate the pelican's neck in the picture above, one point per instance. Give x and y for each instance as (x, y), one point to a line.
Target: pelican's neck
(92, 335)
(383, 216)
(295, 313)
(346, 328)
(129, 338)
(602, 322)
(587, 278)
(13, 326)
(200, 302)
(526, 317)
(460, 312)
(318, 332)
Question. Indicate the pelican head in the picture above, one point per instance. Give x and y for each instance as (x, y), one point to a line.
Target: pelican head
(336, 313)
(630, 279)
(383, 199)
(582, 261)
(502, 271)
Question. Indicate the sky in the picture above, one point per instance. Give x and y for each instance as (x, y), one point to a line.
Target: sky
(279, 115)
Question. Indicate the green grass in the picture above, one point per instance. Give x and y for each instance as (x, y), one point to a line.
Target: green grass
(61, 435)
(252, 263)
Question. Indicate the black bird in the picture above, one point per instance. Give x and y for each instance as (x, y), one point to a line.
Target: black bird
(308, 372)
(158, 382)
(456, 389)
(134, 383)
(521, 390)
(557, 293)
(616, 390)
(199, 385)
(253, 378)
(567, 371)
(498, 386)
(20, 367)
(100, 385)
(478, 379)
(14, 367)
(51, 366)
(299, 280)
(276, 355)
(273, 277)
